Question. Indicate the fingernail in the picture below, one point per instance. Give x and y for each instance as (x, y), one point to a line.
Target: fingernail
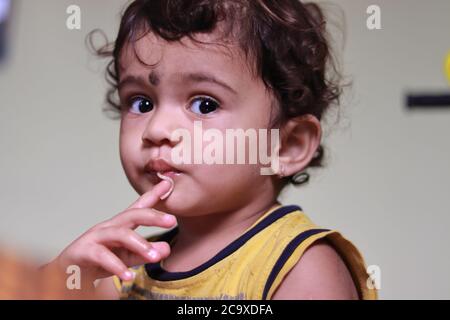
(166, 182)
(167, 194)
(171, 183)
(153, 254)
(169, 218)
(129, 275)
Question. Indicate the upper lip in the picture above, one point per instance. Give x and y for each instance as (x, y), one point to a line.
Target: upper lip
(159, 165)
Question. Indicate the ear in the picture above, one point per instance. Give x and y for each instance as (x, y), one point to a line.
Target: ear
(300, 138)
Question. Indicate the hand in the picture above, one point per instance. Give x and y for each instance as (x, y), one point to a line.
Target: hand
(112, 246)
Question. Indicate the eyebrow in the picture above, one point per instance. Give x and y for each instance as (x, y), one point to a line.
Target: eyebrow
(131, 80)
(198, 77)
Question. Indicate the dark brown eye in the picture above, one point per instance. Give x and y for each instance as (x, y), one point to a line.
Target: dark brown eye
(140, 105)
(204, 106)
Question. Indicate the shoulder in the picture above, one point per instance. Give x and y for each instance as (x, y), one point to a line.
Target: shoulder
(320, 273)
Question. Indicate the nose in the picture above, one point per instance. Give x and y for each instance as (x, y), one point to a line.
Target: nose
(160, 126)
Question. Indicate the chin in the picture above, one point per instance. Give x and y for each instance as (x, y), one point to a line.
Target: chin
(178, 206)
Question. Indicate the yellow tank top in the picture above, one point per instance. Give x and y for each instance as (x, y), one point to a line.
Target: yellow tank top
(251, 267)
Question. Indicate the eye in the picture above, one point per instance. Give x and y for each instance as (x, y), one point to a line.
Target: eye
(204, 105)
(140, 105)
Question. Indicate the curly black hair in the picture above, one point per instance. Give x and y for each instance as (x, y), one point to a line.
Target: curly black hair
(285, 42)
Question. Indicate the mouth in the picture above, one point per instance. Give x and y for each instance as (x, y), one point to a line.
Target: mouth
(158, 167)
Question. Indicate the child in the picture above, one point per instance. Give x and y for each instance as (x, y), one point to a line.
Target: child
(232, 64)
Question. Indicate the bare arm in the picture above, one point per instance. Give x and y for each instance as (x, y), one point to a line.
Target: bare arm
(319, 274)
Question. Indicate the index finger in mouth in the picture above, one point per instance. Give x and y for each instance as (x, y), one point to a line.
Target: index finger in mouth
(151, 197)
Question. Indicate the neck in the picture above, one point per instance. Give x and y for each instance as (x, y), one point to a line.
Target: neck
(224, 225)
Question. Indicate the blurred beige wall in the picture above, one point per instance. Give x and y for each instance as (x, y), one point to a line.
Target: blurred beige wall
(385, 187)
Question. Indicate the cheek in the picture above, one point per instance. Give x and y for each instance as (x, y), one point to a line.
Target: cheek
(255, 108)
(231, 186)
(227, 179)
(128, 147)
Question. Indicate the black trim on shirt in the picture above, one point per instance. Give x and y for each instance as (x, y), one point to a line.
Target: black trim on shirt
(155, 271)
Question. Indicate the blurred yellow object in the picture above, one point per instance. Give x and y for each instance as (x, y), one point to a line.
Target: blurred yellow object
(447, 67)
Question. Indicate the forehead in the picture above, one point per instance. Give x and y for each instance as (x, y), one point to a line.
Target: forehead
(223, 59)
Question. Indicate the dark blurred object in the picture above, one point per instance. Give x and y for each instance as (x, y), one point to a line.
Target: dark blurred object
(428, 100)
(5, 11)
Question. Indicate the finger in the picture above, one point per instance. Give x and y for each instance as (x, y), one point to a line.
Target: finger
(151, 197)
(143, 217)
(130, 240)
(162, 247)
(105, 259)
(131, 259)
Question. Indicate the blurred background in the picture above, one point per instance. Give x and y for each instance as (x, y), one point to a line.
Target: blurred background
(386, 185)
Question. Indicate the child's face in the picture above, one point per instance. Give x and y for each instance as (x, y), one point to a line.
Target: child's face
(163, 101)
